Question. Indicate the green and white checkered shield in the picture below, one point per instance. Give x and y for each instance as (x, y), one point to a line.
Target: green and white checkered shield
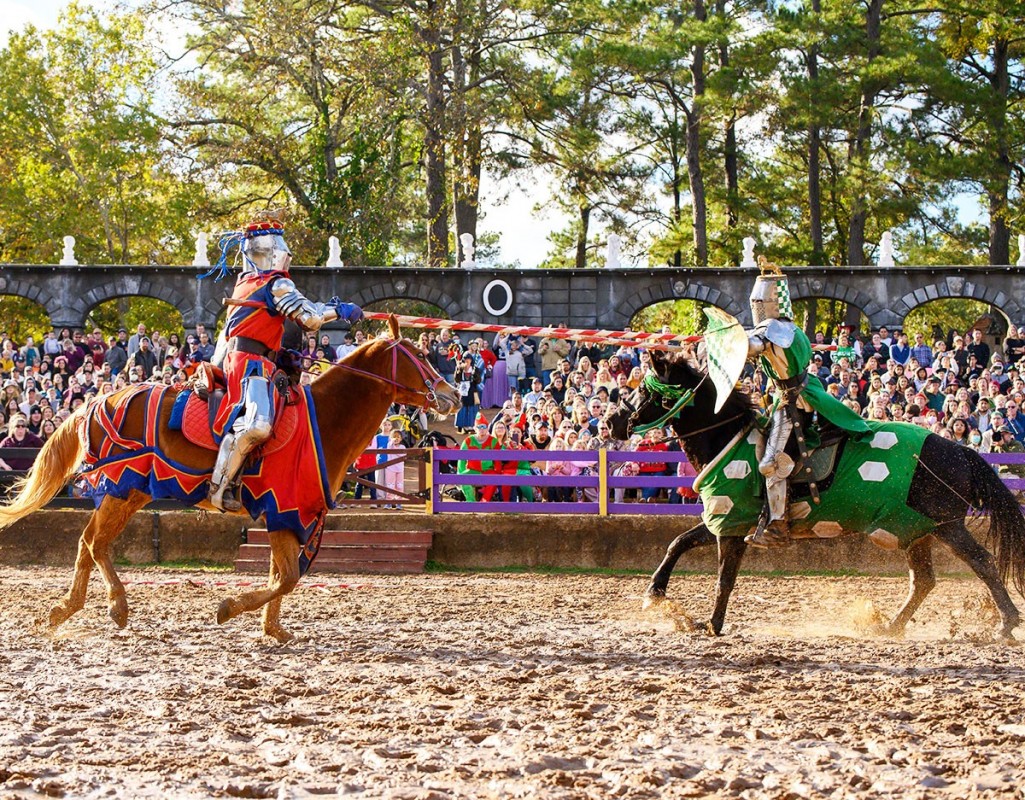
(726, 344)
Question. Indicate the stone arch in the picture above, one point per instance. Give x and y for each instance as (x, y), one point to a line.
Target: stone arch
(412, 291)
(805, 288)
(678, 290)
(134, 286)
(30, 291)
(958, 288)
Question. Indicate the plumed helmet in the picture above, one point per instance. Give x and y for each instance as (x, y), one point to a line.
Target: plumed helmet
(262, 242)
(770, 297)
(261, 246)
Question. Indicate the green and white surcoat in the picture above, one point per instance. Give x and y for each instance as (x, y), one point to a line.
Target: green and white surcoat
(869, 491)
(787, 354)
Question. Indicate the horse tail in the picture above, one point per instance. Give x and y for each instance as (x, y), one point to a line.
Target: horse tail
(1006, 523)
(56, 463)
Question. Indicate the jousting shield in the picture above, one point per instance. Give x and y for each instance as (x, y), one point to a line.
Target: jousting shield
(726, 344)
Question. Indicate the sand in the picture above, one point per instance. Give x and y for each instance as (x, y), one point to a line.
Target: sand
(504, 686)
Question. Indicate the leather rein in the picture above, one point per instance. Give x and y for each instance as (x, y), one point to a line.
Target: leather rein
(681, 398)
(430, 395)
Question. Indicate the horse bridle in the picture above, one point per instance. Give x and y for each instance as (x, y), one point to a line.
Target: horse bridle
(431, 383)
(673, 398)
(668, 392)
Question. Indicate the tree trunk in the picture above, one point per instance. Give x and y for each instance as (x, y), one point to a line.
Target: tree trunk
(730, 161)
(860, 149)
(999, 188)
(818, 256)
(585, 221)
(466, 137)
(434, 145)
(677, 182)
(694, 118)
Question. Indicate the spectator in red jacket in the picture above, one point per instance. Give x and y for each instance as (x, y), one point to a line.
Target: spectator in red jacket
(654, 442)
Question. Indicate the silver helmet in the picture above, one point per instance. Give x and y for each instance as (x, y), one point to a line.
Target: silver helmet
(770, 297)
(264, 247)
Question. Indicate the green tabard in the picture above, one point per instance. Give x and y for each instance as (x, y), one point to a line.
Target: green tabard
(798, 356)
(869, 491)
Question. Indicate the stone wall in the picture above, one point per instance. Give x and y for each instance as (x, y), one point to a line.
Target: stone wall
(460, 540)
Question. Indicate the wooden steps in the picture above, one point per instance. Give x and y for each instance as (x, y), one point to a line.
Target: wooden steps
(367, 552)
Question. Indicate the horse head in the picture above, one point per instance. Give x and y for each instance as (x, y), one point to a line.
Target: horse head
(405, 368)
(677, 391)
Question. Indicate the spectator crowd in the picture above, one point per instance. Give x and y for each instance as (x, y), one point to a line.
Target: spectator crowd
(551, 393)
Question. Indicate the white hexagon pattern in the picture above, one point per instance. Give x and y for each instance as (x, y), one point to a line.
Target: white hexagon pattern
(884, 440)
(737, 470)
(719, 505)
(875, 471)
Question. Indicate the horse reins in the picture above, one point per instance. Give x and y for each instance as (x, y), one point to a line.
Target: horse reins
(396, 347)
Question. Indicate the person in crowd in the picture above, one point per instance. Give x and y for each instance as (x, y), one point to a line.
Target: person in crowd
(47, 429)
(517, 441)
(380, 442)
(479, 440)
(135, 340)
(19, 437)
(653, 442)
(367, 460)
(559, 469)
(1005, 441)
(552, 351)
(1014, 343)
(466, 380)
(900, 351)
(445, 355)
(394, 474)
(978, 348)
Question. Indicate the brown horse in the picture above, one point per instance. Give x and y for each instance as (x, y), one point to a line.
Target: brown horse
(350, 399)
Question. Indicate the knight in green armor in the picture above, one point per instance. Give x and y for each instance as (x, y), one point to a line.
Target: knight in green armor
(784, 353)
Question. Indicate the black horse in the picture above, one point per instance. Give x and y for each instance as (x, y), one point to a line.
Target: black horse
(948, 480)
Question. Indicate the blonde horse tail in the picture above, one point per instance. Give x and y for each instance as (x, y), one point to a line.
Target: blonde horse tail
(53, 467)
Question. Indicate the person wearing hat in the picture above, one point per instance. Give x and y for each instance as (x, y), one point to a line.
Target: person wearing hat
(263, 300)
(466, 380)
(480, 439)
(1004, 441)
(784, 351)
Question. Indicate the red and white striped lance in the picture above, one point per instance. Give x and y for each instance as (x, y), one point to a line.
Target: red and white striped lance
(661, 341)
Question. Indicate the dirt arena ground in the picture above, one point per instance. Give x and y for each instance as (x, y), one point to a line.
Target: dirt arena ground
(505, 686)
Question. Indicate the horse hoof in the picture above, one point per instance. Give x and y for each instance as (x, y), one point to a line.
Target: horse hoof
(58, 615)
(890, 631)
(224, 612)
(280, 634)
(119, 614)
(652, 599)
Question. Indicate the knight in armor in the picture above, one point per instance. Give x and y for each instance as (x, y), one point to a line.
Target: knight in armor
(263, 300)
(784, 353)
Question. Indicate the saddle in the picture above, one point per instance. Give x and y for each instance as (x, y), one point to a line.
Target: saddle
(196, 407)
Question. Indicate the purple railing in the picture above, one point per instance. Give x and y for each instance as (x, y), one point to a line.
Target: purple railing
(602, 480)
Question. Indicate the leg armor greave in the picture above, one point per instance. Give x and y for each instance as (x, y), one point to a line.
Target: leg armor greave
(776, 462)
(250, 430)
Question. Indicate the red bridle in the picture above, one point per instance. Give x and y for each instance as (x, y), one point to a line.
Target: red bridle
(430, 376)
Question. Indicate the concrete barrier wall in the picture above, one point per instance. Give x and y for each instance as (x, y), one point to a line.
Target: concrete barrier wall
(460, 540)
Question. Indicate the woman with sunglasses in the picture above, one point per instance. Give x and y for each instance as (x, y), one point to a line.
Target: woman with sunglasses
(19, 436)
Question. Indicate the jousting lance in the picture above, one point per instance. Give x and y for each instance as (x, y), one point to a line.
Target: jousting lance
(656, 341)
(662, 341)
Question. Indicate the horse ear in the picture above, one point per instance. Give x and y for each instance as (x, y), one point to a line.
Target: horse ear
(658, 359)
(393, 326)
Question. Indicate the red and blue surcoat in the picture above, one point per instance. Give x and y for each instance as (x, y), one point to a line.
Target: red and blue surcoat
(258, 320)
